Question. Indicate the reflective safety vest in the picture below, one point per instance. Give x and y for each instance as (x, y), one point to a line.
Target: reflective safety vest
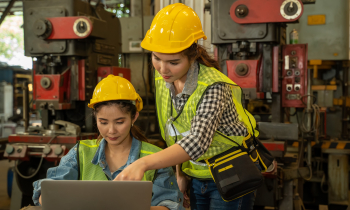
(88, 171)
(181, 122)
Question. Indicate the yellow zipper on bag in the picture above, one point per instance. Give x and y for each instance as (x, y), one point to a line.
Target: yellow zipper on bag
(225, 168)
(217, 160)
(228, 155)
(206, 160)
(228, 159)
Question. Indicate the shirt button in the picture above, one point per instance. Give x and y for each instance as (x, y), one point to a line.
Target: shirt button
(171, 183)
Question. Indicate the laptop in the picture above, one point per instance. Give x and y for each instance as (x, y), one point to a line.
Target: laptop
(96, 195)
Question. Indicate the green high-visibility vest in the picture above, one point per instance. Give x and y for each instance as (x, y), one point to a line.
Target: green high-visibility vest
(207, 77)
(88, 171)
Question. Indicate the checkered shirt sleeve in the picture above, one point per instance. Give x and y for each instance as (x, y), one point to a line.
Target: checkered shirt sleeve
(216, 112)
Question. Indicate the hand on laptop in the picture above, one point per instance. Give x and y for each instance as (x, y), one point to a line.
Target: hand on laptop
(133, 172)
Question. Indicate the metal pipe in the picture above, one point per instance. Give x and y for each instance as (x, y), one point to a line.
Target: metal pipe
(308, 117)
(309, 101)
(36, 147)
(25, 105)
(7, 10)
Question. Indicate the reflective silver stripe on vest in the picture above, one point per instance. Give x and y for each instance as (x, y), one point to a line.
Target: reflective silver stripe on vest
(198, 163)
(174, 132)
(185, 134)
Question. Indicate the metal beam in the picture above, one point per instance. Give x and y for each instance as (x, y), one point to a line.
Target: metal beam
(7, 10)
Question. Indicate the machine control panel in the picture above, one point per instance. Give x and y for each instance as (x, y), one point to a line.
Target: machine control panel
(23, 151)
(294, 75)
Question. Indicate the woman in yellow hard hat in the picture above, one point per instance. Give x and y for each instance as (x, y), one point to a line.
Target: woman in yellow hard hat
(198, 108)
(116, 107)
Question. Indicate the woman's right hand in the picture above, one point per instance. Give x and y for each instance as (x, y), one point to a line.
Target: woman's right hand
(182, 182)
(40, 200)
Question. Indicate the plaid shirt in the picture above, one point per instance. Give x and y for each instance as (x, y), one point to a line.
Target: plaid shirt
(216, 112)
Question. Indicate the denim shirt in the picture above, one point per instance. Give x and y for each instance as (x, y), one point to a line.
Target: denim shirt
(165, 189)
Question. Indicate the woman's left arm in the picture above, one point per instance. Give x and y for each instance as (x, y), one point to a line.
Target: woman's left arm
(166, 193)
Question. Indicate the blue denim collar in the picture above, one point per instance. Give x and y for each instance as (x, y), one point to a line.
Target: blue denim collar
(100, 155)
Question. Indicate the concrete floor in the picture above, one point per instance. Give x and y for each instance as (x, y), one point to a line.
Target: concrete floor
(5, 201)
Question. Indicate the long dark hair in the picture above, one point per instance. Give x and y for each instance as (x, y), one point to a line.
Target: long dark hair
(198, 53)
(126, 107)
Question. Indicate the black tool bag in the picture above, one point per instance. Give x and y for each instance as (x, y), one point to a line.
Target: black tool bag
(234, 173)
(257, 151)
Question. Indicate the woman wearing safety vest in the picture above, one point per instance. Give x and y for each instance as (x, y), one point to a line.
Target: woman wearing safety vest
(199, 109)
(116, 107)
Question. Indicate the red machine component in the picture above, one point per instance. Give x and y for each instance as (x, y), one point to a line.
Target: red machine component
(245, 73)
(273, 11)
(19, 152)
(275, 146)
(50, 147)
(78, 27)
(103, 72)
(275, 70)
(81, 78)
(45, 139)
(53, 152)
(294, 73)
(53, 88)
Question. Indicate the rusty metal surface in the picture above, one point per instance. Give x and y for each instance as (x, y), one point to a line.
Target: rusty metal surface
(338, 179)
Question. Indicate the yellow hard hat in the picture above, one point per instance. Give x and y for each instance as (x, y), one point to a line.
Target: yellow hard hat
(115, 88)
(175, 28)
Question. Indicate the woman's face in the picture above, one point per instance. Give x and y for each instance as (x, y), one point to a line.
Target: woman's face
(171, 66)
(114, 125)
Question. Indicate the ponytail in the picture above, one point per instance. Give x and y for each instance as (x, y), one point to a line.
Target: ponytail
(137, 134)
(198, 53)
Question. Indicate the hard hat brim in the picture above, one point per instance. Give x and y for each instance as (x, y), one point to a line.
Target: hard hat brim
(145, 44)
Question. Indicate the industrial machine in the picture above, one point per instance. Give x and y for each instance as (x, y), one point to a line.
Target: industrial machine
(252, 49)
(73, 45)
(298, 92)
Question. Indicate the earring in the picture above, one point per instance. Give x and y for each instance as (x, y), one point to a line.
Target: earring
(132, 124)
